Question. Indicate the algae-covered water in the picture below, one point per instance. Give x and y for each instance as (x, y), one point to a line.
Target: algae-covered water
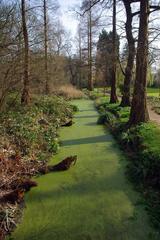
(91, 201)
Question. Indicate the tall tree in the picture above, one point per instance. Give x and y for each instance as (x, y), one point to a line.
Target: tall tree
(139, 112)
(91, 18)
(126, 101)
(90, 79)
(104, 57)
(25, 99)
(113, 96)
(46, 47)
(80, 54)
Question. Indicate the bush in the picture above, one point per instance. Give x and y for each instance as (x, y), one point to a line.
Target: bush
(69, 92)
(33, 129)
(74, 108)
(155, 103)
(106, 118)
(119, 113)
(142, 146)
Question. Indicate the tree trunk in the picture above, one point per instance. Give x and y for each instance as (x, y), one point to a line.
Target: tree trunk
(113, 96)
(126, 101)
(80, 58)
(90, 80)
(25, 99)
(139, 112)
(47, 90)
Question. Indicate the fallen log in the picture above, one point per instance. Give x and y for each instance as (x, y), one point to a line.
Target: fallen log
(68, 123)
(62, 166)
(12, 197)
(24, 184)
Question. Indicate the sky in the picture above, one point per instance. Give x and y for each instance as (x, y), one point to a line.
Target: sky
(69, 18)
(70, 21)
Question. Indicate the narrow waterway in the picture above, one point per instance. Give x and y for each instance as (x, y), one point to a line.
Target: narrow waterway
(91, 201)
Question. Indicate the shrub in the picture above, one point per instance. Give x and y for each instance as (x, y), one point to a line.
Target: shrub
(142, 146)
(155, 103)
(34, 129)
(69, 92)
(106, 118)
(74, 108)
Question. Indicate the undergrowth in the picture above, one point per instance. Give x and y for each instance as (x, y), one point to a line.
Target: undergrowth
(155, 103)
(142, 146)
(33, 129)
(68, 91)
(29, 135)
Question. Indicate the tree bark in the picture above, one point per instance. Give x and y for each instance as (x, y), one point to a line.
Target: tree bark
(80, 57)
(139, 112)
(47, 90)
(126, 101)
(25, 98)
(113, 96)
(90, 80)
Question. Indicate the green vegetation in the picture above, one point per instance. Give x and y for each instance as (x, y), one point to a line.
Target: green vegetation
(153, 92)
(142, 145)
(33, 129)
(117, 114)
(39, 59)
(92, 200)
(155, 103)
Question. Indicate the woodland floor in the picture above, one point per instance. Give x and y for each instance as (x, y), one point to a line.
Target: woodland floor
(91, 201)
(154, 117)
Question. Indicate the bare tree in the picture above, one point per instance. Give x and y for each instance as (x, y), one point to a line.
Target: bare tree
(113, 96)
(9, 54)
(90, 79)
(80, 54)
(46, 47)
(25, 99)
(126, 101)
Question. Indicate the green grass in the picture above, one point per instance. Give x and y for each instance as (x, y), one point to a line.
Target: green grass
(153, 92)
(151, 137)
(91, 201)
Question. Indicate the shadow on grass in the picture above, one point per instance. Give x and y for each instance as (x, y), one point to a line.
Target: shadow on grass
(87, 116)
(91, 124)
(88, 140)
(75, 231)
(86, 110)
(101, 187)
(90, 184)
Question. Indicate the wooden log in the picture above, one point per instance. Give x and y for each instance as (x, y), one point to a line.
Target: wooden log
(63, 165)
(68, 123)
(26, 185)
(12, 197)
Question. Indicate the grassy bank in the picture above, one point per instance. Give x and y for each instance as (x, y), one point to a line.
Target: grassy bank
(29, 136)
(155, 104)
(142, 146)
(153, 92)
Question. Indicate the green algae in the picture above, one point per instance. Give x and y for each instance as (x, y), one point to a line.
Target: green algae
(91, 201)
